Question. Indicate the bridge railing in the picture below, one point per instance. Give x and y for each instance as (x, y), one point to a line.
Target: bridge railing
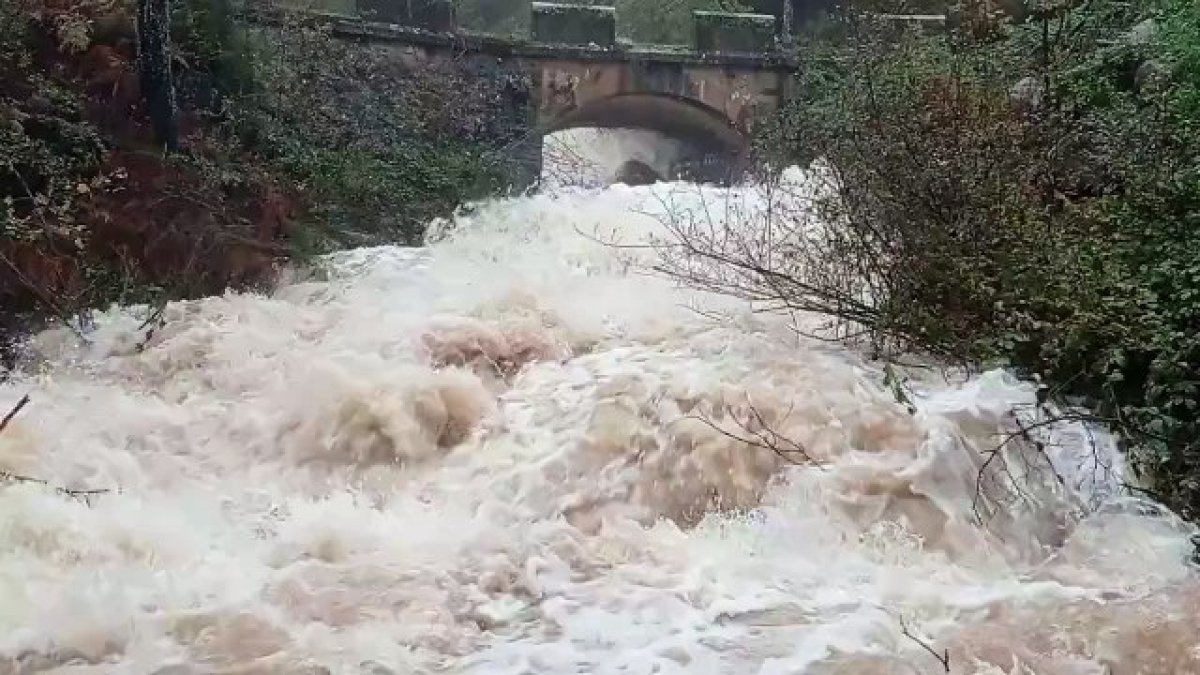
(578, 25)
(734, 32)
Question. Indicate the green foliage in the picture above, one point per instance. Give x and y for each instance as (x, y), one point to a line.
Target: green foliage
(52, 160)
(377, 147)
(52, 155)
(283, 122)
(369, 197)
(14, 38)
(51, 169)
(1032, 199)
(213, 48)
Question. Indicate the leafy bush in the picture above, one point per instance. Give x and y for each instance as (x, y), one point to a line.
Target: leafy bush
(1027, 195)
(282, 124)
(52, 166)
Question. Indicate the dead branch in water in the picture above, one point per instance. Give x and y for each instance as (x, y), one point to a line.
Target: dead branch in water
(16, 410)
(1025, 434)
(81, 495)
(762, 435)
(8, 477)
(943, 658)
(154, 321)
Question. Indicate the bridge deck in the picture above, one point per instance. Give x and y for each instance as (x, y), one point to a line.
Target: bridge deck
(353, 27)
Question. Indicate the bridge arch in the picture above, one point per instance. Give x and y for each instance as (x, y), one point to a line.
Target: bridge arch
(714, 147)
(670, 115)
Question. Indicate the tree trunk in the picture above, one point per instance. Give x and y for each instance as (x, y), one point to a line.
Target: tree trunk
(789, 26)
(154, 70)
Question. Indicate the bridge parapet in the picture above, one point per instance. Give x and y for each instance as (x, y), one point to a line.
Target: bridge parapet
(349, 27)
(587, 25)
(734, 32)
(591, 26)
(574, 73)
(432, 15)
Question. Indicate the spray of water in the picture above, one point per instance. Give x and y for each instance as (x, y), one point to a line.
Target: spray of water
(513, 451)
(594, 157)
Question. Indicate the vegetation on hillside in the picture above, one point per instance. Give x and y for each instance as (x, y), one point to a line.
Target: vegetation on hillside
(90, 209)
(1020, 194)
(379, 145)
(282, 140)
(246, 145)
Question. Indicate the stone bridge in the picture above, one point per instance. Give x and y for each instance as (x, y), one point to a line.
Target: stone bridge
(706, 95)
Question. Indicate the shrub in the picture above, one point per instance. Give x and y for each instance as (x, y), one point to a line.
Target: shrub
(274, 119)
(52, 166)
(1027, 196)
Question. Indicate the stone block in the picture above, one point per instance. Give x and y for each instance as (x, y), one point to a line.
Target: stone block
(555, 23)
(734, 32)
(432, 15)
(384, 11)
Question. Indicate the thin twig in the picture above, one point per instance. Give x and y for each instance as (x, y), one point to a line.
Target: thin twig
(1024, 432)
(38, 291)
(82, 495)
(152, 323)
(766, 438)
(943, 658)
(9, 477)
(43, 297)
(16, 410)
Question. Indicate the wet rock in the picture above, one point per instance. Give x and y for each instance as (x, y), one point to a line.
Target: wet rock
(635, 172)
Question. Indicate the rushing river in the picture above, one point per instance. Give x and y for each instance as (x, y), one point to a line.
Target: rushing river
(516, 452)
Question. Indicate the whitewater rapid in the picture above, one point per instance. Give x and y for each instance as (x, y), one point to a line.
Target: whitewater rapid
(516, 451)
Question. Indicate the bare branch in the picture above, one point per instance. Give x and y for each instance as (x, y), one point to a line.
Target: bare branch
(761, 435)
(8, 477)
(16, 410)
(1025, 434)
(943, 658)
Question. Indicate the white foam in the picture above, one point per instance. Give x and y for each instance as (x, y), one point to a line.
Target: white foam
(301, 481)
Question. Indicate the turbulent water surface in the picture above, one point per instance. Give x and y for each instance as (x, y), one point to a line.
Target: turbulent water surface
(594, 157)
(514, 451)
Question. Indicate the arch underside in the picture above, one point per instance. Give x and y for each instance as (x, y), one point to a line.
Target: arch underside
(714, 149)
(674, 117)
